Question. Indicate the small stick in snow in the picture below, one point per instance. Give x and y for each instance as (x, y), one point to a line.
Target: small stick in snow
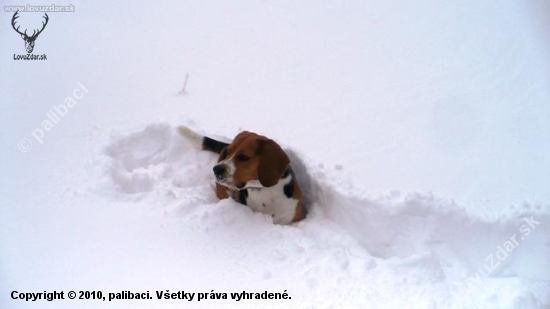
(185, 84)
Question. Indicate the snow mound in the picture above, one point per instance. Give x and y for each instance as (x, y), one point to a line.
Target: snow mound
(352, 250)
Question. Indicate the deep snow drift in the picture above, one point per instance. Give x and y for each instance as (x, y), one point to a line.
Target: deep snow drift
(429, 250)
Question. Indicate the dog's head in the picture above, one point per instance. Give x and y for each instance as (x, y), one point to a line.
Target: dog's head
(250, 157)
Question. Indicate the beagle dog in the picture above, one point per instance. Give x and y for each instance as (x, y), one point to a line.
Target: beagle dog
(256, 172)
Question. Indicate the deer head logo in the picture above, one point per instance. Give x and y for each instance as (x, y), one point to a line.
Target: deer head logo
(29, 40)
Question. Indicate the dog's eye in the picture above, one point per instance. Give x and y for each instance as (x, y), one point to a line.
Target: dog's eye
(243, 158)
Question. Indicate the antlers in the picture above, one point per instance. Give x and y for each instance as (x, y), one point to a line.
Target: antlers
(13, 23)
(34, 33)
(43, 26)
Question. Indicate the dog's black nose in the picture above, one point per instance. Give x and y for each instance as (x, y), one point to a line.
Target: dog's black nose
(219, 170)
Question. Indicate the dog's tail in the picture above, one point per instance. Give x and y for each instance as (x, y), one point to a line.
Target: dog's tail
(202, 142)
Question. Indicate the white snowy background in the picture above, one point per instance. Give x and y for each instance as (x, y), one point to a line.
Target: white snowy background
(423, 127)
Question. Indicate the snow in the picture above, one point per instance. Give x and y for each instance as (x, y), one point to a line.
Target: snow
(419, 132)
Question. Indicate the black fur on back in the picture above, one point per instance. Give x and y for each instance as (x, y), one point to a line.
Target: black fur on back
(213, 145)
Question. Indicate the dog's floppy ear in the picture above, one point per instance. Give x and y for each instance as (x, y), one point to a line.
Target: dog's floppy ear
(273, 162)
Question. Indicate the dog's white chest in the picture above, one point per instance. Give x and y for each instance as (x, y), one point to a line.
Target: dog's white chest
(273, 201)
